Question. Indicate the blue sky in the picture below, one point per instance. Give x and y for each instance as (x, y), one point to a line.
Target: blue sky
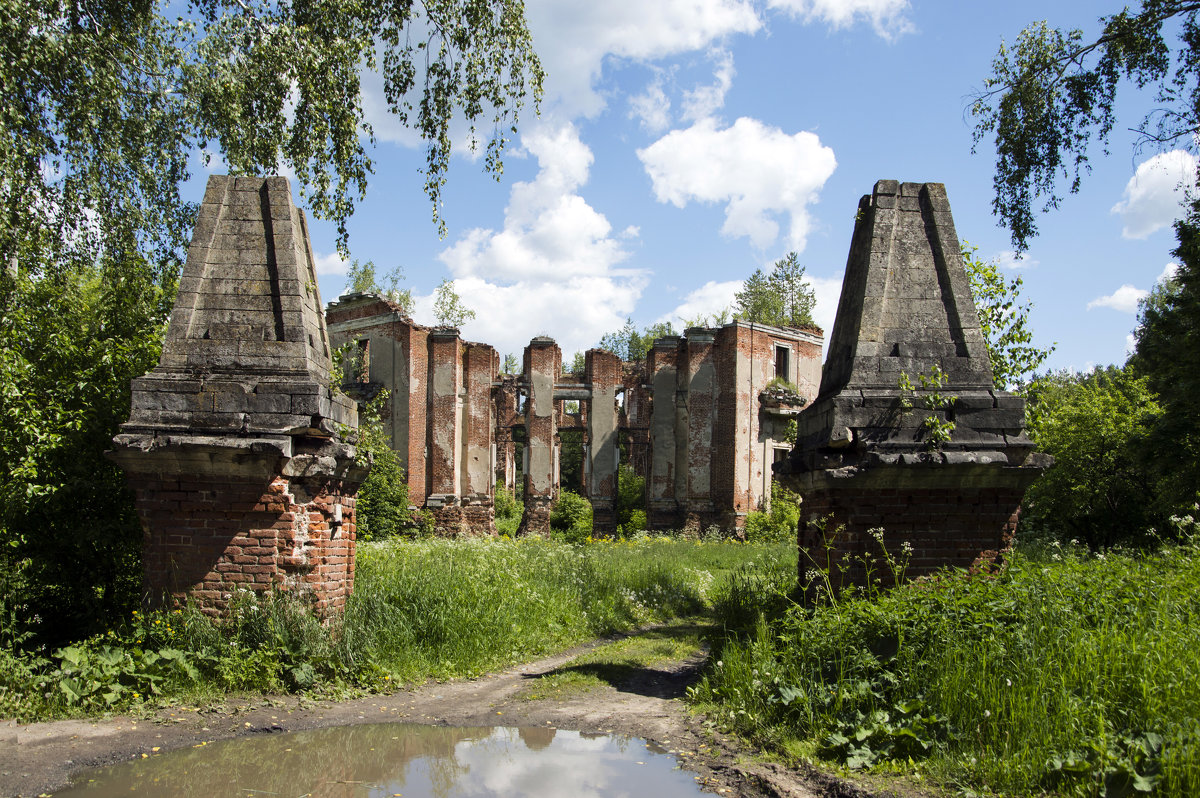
(684, 143)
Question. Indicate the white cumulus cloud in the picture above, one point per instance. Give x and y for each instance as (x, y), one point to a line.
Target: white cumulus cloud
(1155, 193)
(652, 107)
(333, 263)
(1009, 259)
(1125, 299)
(758, 171)
(707, 300)
(887, 17)
(575, 36)
(554, 267)
(704, 101)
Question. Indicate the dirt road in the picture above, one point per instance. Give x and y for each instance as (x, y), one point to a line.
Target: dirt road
(644, 702)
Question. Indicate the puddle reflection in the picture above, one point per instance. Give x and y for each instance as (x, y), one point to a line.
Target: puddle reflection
(392, 759)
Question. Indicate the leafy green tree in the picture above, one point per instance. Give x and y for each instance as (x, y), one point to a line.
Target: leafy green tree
(782, 298)
(1004, 320)
(448, 307)
(1167, 353)
(361, 279)
(629, 344)
(1052, 93)
(511, 364)
(1096, 426)
(70, 543)
(382, 509)
(103, 105)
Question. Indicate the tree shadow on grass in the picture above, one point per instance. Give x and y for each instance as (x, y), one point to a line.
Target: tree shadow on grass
(624, 670)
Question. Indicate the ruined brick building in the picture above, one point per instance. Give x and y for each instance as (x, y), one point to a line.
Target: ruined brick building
(696, 419)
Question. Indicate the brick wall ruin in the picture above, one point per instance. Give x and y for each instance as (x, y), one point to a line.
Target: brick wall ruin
(695, 419)
(241, 476)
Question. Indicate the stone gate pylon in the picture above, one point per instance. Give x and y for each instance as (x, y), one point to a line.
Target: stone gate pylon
(872, 455)
(239, 453)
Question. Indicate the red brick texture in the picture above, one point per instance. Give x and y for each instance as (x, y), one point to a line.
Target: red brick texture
(958, 526)
(205, 538)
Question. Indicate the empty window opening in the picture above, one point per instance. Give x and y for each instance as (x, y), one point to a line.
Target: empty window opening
(782, 366)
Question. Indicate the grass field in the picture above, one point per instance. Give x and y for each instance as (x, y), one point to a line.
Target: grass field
(420, 609)
(1069, 673)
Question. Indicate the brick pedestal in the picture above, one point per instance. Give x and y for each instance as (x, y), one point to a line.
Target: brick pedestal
(943, 515)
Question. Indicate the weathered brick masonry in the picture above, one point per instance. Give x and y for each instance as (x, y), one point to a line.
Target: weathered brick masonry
(233, 448)
(863, 461)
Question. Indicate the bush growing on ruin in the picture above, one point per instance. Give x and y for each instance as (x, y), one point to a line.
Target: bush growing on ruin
(382, 509)
(778, 525)
(508, 511)
(571, 517)
(1097, 427)
(631, 500)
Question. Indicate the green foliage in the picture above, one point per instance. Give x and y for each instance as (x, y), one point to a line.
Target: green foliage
(70, 342)
(578, 364)
(448, 308)
(936, 423)
(630, 345)
(571, 516)
(511, 365)
(104, 104)
(508, 512)
(1052, 93)
(1004, 321)
(779, 524)
(631, 500)
(1068, 673)
(783, 298)
(1096, 427)
(710, 320)
(1168, 355)
(382, 508)
(361, 279)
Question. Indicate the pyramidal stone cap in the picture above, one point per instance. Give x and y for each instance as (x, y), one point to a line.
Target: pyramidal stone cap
(246, 352)
(905, 310)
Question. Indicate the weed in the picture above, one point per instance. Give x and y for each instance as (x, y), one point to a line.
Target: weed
(1067, 673)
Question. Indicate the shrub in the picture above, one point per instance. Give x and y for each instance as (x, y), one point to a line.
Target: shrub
(631, 499)
(778, 525)
(382, 509)
(508, 511)
(1098, 490)
(571, 516)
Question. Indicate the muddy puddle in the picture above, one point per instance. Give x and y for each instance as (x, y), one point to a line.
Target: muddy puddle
(382, 760)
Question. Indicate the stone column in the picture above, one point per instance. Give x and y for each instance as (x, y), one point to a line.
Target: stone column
(543, 363)
(233, 446)
(700, 378)
(603, 372)
(477, 483)
(445, 432)
(662, 506)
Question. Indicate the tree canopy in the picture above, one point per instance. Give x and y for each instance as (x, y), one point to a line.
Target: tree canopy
(782, 298)
(448, 307)
(1052, 93)
(1004, 320)
(103, 106)
(629, 344)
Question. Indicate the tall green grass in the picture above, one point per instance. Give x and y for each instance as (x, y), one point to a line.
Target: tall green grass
(1069, 673)
(420, 609)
